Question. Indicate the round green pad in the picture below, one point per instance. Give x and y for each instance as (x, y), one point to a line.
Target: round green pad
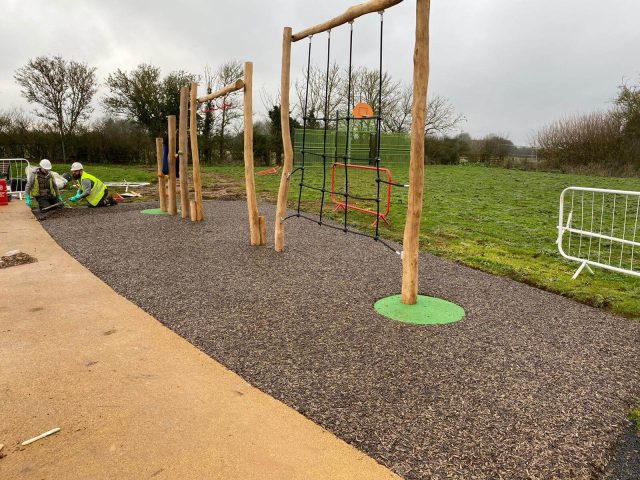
(154, 211)
(427, 311)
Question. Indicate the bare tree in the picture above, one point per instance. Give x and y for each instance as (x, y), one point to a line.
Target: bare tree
(227, 73)
(269, 100)
(323, 88)
(63, 89)
(209, 119)
(14, 120)
(441, 116)
(594, 138)
(369, 87)
(398, 120)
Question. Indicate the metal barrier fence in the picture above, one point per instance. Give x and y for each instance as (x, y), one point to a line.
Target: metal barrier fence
(14, 170)
(599, 227)
(394, 147)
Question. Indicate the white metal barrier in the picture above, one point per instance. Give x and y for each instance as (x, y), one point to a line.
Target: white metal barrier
(15, 170)
(599, 227)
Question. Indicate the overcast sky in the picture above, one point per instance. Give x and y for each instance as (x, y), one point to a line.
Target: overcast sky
(509, 66)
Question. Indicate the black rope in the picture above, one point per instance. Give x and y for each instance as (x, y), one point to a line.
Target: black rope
(393, 184)
(326, 115)
(351, 195)
(378, 124)
(346, 141)
(304, 124)
(342, 229)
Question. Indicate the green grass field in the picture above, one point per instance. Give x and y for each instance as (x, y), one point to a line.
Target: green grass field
(497, 220)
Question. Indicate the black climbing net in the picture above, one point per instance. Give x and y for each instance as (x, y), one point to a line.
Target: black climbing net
(334, 158)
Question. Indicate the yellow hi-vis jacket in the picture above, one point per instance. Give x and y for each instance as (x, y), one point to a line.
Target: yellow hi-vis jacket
(97, 189)
(35, 189)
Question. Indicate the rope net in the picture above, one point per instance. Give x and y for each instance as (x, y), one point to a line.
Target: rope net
(342, 158)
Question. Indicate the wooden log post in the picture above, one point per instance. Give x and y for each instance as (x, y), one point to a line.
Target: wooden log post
(195, 153)
(416, 168)
(171, 158)
(162, 187)
(184, 152)
(249, 179)
(349, 15)
(283, 191)
(233, 87)
(262, 220)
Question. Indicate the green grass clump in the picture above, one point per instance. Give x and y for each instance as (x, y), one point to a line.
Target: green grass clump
(635, 418)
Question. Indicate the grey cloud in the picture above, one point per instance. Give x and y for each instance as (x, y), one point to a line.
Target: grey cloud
(509, 66)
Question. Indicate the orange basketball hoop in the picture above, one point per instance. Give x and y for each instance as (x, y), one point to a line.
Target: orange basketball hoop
(362, 110)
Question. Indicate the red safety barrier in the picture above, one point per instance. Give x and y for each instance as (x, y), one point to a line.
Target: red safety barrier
(4, 193)
(341, 204)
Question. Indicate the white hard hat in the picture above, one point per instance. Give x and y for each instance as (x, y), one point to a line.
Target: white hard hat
(76, 166)
(45, 164)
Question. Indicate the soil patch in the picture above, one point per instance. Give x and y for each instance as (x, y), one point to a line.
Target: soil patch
(215, 186)
(11, 259)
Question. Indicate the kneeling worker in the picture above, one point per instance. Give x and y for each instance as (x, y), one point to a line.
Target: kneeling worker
(91, 188)
(42, 186)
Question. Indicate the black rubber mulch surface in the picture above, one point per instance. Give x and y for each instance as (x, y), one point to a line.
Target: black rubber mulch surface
(528, 385)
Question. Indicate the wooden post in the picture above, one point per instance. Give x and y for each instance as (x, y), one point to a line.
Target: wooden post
(171, 158)
(283, 191)
(184, 152)
(416, 168)
(195, 153)
(249, 180)
(262, 220)
(233, 87)
(193, 211)
(162, 188)
(349, 15)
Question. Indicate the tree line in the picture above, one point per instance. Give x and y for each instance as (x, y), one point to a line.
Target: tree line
(137, 103)
(605, 142)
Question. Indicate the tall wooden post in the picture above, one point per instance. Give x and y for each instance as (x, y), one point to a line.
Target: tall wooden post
(162, 187)
(416, 168)
(283, 192)
(195, 153)
(171, 158)
(250, 183)
(184, 152)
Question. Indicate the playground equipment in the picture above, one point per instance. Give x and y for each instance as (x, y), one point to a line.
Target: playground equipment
(416, 174)
(189, 101)
(592, 233)
(370, 162)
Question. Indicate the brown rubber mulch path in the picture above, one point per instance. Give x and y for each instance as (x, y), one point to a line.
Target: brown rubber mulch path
(529, 385)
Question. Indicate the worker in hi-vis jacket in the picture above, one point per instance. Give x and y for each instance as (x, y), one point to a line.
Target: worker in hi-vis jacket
(92, 189)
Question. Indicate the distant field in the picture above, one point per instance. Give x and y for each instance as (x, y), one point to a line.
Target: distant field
(497, 220)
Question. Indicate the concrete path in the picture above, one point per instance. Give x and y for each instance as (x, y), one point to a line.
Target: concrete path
(133, 400)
